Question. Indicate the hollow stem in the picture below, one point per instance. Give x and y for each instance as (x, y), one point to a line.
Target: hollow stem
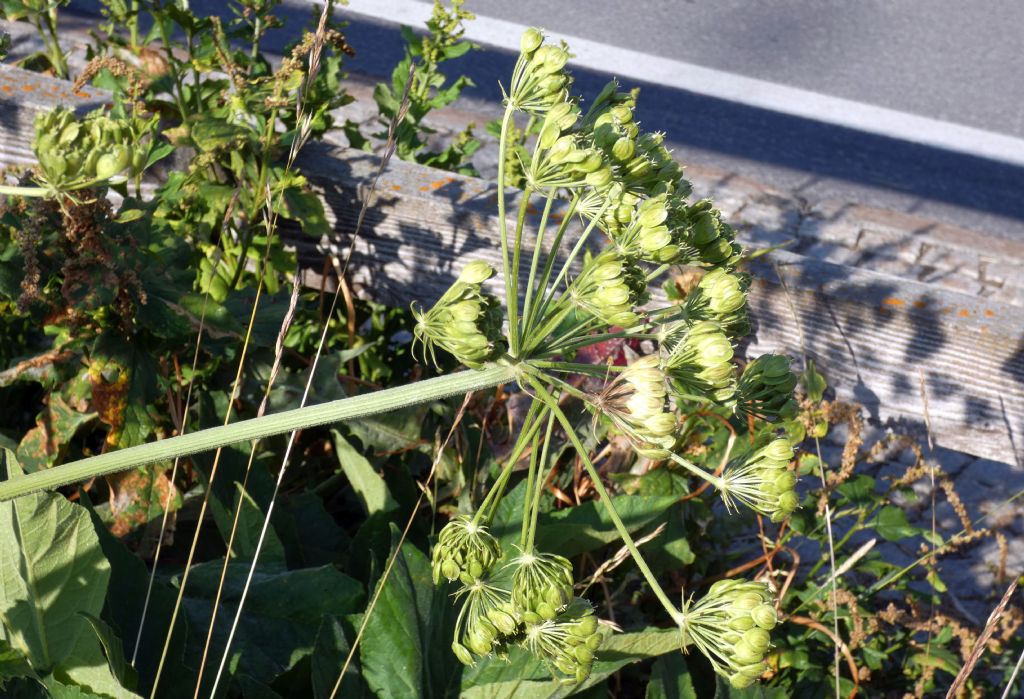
(260, 427)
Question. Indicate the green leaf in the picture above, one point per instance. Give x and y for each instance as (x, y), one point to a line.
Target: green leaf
(369, 486)
(112, 650)
(53, 572)
(306, 208)
(210, 133)
(406, 647)
(814, 383)
(329, 653)
(279, 623)
(13, 664)
(576, 530)
(55, 427)
(670, 679)
(891, 523)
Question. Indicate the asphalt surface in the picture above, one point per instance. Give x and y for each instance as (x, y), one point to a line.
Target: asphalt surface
(946, 59)
(938, 59)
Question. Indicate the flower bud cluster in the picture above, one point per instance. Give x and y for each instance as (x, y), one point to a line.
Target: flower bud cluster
(610, 288)
(542, 586)
(465, 321)
(567, 643)
(766, 389)
(74, 153)
(539, 79)
(763, 481)
(700, 359)
(730, 626)
(637, 403)
(465, 551)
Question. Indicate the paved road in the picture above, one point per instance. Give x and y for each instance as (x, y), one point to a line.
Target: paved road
(945, 59)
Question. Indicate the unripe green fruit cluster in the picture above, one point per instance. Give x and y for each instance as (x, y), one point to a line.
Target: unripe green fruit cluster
(568, 642)
(777, 481)
(465, 321)
(610, 288)
(747, 613)
(721, 296)
(709, 241)
(766, 388)
(542, 586)
(74, 153)
(539, 79)
(465, 551)
(701, 360)
(636, 401)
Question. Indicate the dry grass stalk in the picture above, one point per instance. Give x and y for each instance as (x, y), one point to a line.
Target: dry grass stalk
(980, 644)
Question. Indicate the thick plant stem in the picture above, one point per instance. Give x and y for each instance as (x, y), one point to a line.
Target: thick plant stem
(257, 428)
(606, 500)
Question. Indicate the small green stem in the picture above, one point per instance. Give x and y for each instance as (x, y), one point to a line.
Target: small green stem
(538, 244)
(530, 426)
(539, 489)
(606, 500)
(506, 262)
(550, 259)
(528, 500)
(697, 471)
(257, 428)
(513, 300)
(15, 191)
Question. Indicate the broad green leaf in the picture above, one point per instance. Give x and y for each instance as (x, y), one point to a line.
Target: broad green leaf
(576, 530)
(814, 382)
(305, 207)
(55, 426)
(52, 570)
(13, 664)
(406, 648)
(112, 650)
(670, 679)
(210, 133)
(891, 523)
(280, 620)
(329, 654)
(365, 481)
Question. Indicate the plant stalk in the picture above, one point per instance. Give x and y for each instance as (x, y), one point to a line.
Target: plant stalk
(260, 427)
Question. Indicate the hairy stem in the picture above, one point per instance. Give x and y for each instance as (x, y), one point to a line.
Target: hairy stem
(257, 428)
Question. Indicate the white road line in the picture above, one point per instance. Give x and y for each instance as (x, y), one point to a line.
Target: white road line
(775, 97)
